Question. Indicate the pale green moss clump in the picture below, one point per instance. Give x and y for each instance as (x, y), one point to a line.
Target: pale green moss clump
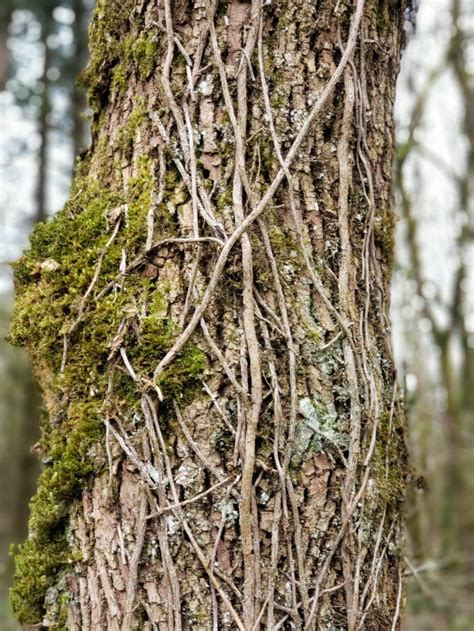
(143, 51)
(51, 280)
(118, 47)
(106, 34)
(140, 52)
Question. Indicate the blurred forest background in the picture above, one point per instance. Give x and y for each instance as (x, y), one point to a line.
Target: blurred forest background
(44, 126)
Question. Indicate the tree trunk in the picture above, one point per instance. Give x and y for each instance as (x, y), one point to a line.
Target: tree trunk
(208, 317)
(44, 112)
(5, 18)
(19, 468)
(79, 125)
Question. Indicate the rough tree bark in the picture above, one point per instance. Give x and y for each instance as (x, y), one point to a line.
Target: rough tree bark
(208, 317)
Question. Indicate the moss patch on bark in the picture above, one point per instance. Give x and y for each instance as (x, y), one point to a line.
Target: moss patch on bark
(67, 255)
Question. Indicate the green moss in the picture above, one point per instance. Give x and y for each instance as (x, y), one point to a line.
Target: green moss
(285, 246)
(140, 51)
(143, 51)
(127, 134)
(62, 612)
(156, 334)
(388, 465)
(140, 190)
(35, 568)
(51, 279)
(109, 24)
(114, 54)
(119, 78)
(54, 274)
(179, 380)
(46, 553)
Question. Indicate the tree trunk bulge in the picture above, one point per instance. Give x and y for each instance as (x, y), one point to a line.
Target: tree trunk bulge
(208, 317)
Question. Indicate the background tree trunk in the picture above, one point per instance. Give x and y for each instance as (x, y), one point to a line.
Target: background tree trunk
(44, 132)
(5, 17)
(208, 318)
(79, 131)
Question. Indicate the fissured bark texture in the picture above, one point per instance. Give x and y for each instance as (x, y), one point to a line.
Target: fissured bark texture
(208, 317)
